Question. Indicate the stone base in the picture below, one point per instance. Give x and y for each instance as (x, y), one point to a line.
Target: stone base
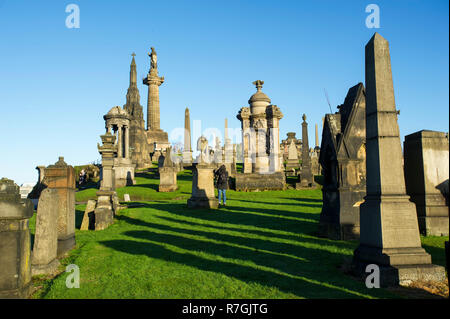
(401, 274)
(196, 202)
(434, 225)
(260, 182)
(159, 137)
(167, 188)
(304, 184)
(103, 218)
(65, 245)
(20, 293)
(45, 269)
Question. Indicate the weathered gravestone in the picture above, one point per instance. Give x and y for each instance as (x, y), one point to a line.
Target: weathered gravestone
(45, 247)
(89, 215)
(15, 266)
(168, 173)
(389, 230)
(426, 177)
(126, 198)
(343, 158)
(61, 177)
(292, 161)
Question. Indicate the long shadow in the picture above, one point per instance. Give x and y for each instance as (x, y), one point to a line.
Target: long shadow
(297, 286)
(437, 254)
(276, 203)
(244, 216)
(78, 218)
(325, 241)
(153, 186)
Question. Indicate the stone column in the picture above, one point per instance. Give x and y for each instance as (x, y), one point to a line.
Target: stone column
(203, 187)
(45, 248)
(61, 177)
(187, 151)
(389, 229)
(15, 266)
(306, 177)
(317, 137)
(119, 141)
(127, 141)
(153, 81)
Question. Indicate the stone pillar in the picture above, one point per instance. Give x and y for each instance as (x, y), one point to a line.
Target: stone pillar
(45, 247)
(426, 176)
(15, 266)
(203, 187)
(127, 141)
(187, 150)
(389, 229)
(306, 177)
(317, 137)
(153, 81)
(61, 177)
(119, 141)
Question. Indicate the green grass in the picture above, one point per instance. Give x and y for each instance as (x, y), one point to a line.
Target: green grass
(261, 245)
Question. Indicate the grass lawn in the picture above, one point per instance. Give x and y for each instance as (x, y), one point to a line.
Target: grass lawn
(261, 245)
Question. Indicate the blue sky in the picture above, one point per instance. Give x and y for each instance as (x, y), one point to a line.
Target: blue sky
(57, 83)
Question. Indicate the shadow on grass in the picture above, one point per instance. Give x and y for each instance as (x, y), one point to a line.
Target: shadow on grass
(290, 204)
(437, 254)
(78, 218)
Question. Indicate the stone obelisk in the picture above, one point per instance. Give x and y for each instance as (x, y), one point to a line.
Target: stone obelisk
(157, 139)
(305, 177)
(187, 152)
(389, 228)
(317, 137)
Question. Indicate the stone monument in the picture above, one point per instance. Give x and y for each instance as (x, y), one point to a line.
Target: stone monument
(156, 137)
(426, 177)
(389, 234)
(168, 174)
(203, 179)
(138, 146)
(45, 247)
(15, 266)
(187, 150)
(292, 160)
(61, 177)
(343, 159)
(117, 120)
(263, 169)
(306, 178)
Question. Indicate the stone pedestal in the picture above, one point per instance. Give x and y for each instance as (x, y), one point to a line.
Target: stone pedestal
(203, 187)
(45, 247)
(104, 212)
(187, 158)
(61, 177)
(167, 179)
(15, 252)
(426, 176)
(389, 234)
(123, 172)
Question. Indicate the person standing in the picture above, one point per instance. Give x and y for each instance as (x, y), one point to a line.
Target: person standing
(222, 183)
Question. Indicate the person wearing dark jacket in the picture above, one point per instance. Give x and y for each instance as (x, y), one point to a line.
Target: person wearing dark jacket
(222, 183)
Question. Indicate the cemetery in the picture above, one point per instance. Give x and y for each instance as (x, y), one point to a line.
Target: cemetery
(300, 220)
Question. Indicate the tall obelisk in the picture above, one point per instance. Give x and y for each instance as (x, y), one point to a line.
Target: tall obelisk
(187, 151)
(305, 177)
(389, 228)
(317, 137)
(157, 139)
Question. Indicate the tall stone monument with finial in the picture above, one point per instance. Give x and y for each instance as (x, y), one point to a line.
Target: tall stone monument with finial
(260, 144)
(138, 146)
(187, 149)
(157, 139)
(389, 228)
(305, 177)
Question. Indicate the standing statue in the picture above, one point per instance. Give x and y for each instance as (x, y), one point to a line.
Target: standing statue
(153, 59)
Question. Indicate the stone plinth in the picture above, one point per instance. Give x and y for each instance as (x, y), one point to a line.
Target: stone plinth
(15, 252)
(426, 176)
(61, 177)
(45, 247)
(123, 172)
(104, 212)
(203, 187)
(389, 231)
(167, 179)
(260, 182)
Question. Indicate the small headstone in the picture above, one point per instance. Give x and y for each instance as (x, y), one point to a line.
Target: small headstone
(126, 198)
(88, 216)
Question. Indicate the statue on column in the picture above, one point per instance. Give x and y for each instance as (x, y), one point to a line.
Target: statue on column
(153, 59)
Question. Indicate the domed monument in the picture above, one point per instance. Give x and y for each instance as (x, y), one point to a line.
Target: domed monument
(263, 168)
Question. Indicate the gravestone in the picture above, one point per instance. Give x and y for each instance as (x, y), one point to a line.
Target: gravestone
(426, 178)
(168, 173)
(389, 235)
(126, 198)
(45, 247)
(89, 216)
(61, 177)
(15, 241)
(306, 178)
(292, 161)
